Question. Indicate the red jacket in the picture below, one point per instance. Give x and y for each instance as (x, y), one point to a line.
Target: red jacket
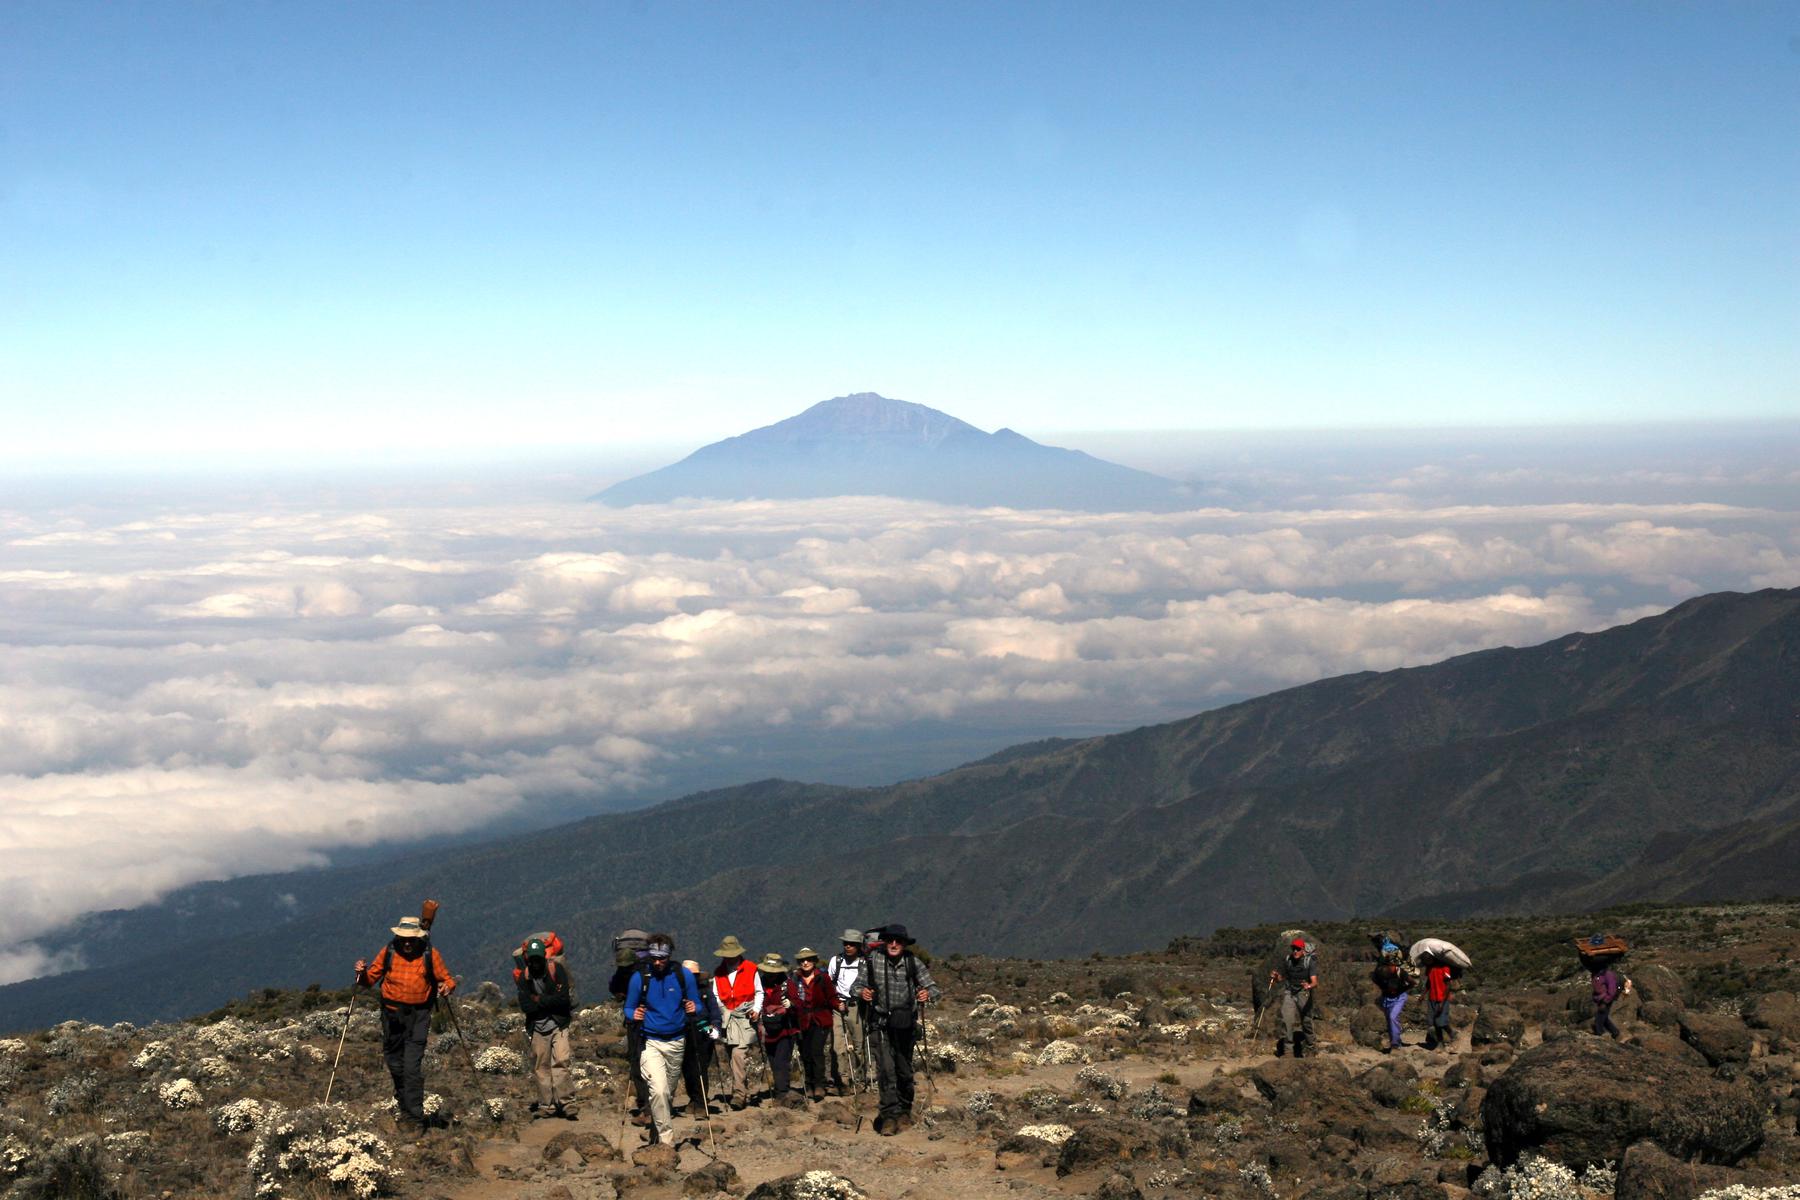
(815, 1001)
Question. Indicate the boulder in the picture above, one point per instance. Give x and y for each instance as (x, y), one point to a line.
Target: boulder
(1586, 1100)
(1107, 1142)
(1219, 1095)
(1654, 981)
(1465, 1072)
(1497, 1024)
(1661, 1013)
(1669, 1045)
(711, 1179)
(1368, 1027)
(1720, 1038)
(658, 1156)
(1386, 1087)
(808, 1185)
(1117, 1187)
(1289, 1083)
(1776, 1012)
(1646, 1173)
(587, 1147)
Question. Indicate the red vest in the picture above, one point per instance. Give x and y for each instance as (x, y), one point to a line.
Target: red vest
(738, 987)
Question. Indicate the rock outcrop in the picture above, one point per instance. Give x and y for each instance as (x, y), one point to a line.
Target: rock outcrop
(1585, 1100)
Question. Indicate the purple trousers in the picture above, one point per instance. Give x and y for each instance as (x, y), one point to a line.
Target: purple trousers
(1391, 1005)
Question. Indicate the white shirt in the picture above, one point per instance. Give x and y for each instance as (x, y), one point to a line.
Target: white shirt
(843, 973)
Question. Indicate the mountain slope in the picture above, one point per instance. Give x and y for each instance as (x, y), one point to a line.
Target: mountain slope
(1597, 766)
(869, 445)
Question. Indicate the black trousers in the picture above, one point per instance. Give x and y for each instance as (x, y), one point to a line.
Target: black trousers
(781, 1064)
(634, 1052)
(815, 1046)
(403, 1034)
(893, 1050)
(695, 1063)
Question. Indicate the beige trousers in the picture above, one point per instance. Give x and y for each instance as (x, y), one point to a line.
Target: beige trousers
(550, 1066)
(661, 1065)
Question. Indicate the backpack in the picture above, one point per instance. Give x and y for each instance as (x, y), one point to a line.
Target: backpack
(553, 951)
(387, 963)
(627, 944)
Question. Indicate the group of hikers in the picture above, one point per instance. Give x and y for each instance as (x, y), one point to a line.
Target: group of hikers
(1293, 983)
(861, 1012)
(854, 1021)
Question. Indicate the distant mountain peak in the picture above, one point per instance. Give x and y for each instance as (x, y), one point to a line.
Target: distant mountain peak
(872, 445)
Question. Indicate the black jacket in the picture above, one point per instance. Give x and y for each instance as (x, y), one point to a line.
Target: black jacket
(556, 1000)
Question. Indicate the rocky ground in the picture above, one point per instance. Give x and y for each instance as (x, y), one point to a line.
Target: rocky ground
(1113, 1077)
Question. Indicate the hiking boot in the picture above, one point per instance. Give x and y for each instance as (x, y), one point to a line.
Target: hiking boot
(534, 1108)
(739, 1104)
(563, 1112)
(640, 1119)
(903, 1121)
(886, 1126)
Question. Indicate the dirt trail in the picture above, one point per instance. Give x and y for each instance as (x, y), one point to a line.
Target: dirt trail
(947, 1160)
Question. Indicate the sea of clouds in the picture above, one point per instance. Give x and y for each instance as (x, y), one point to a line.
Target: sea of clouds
(201, 689)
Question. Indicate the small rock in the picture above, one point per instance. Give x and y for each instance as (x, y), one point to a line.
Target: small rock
(1117, 1187)
(808, 1185)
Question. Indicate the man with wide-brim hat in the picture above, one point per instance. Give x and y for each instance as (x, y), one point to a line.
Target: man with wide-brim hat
(740, 1003)
(849, 1066)
(412, 976)
(896, 986)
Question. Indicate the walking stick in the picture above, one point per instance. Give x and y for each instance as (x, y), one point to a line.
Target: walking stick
(706, 1103)
(428, 915)
(925, 1055)
(348, 1010)
(1268, 998)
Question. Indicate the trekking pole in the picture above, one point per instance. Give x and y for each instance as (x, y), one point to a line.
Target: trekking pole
(428, 915)
(706, 1103)
(925, 1055)
(348, 1010)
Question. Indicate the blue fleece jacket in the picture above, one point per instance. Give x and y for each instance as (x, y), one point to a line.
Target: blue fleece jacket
(664, 1016)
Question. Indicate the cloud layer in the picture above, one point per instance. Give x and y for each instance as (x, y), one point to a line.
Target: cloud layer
(205, 692)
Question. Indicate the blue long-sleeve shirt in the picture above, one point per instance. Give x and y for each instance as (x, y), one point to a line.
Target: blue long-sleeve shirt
(665, 1017)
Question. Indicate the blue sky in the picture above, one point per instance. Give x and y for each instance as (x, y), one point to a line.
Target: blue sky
(311, 229)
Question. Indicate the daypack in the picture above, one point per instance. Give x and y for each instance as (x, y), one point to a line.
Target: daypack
(553, 951)
(627, 944)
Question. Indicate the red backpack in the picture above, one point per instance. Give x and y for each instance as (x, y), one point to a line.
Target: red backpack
(553, 951)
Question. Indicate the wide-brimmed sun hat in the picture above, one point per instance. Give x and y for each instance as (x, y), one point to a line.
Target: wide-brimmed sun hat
(730, 948)
(896, 933)
(853, 937)
(408, 927)
(773, 963)
(806, 952)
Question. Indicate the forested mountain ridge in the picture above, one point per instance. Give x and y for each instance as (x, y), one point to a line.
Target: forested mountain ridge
(1604, 765)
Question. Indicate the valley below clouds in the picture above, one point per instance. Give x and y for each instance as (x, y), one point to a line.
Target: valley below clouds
(211, 688)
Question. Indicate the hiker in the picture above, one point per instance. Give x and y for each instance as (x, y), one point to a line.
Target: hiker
(1393, 976)
(546, 997)
(1299, 977)
(702, 1034)
(896, 986)
(740, 1000)
(847, 1066)
(815, 1001)
(661, 999)
(1608, 987)
(1437, 1000)
(629, 957)
(412, 976)
(778, 1022)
